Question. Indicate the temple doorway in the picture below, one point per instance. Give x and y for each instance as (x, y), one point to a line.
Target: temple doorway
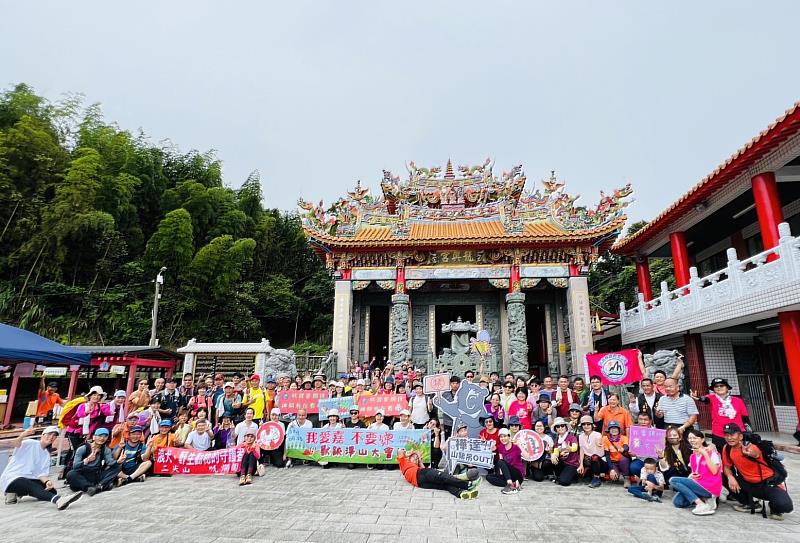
(446, 314)
(537, 344)
(379, 333)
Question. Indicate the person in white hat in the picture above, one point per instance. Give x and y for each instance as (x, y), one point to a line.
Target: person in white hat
(333, 422)
(115, 411)
(83, 420)
(275, 456)
(28, 471)
(405, 421)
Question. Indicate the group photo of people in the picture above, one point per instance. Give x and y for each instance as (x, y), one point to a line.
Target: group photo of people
(112, 440)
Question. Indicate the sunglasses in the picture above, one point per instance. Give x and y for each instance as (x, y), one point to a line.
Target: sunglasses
(560, 426)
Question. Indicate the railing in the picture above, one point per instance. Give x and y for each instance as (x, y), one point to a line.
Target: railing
(740, 281)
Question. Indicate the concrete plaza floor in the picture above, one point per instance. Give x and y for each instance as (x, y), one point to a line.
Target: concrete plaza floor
(343, 506)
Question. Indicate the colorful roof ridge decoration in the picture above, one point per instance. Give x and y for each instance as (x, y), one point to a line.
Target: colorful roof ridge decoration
(784, 127)
(467, 204)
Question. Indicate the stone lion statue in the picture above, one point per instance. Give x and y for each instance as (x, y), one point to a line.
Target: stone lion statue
(280, 361)
(665, 361)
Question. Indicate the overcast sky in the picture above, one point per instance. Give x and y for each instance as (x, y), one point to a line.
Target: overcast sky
(319, 94)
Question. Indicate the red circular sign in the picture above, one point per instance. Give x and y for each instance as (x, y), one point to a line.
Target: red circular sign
(530, 443)
(270, 435)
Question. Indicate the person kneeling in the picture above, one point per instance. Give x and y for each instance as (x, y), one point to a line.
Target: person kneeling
(94, 468)
(509, 465)
(28, 471)
(133, 457)
(652, 483)
(415, 473)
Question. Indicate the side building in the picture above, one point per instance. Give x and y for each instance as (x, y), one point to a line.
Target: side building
(451, 251)
(734, 239)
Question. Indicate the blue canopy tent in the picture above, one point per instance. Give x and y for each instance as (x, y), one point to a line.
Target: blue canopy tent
(17, 345)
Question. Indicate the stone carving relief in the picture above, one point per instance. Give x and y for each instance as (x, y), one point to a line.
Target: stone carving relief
(665, 361)
(517, 332)
(399, 314)
(280, 361)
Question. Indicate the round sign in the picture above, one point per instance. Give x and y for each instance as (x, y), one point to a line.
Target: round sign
(270, 435)
(530, 443)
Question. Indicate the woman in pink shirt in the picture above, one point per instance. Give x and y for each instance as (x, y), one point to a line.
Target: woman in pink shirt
(704, 483)
(725, 408)
(521, 408)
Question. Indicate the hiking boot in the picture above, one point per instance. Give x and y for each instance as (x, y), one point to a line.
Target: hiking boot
(595, 482)
(656, 499)
(509, 489)
(775, 516)
(746, 508)
(140, 479)
(262, 469)
(64, 501)
(248, 480)
(92, 490)
(242, 480)
(473, 485)
(470, 475)
(11, 498)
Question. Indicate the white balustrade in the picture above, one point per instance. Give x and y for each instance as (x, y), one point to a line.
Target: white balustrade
(718, 296)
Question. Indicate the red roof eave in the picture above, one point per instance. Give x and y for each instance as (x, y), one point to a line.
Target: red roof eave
(779, 131)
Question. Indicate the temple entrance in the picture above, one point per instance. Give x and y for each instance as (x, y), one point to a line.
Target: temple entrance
(379, 333)
(446, 314)
(537, 343)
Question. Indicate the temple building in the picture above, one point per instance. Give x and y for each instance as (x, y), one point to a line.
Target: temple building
(734, 239)
(450, 251)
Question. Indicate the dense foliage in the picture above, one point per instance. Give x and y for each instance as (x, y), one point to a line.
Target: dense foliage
(90, 212)
(613, 279)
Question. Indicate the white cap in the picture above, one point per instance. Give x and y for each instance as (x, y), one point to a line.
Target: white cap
(505, 432)
(332, 413)
(405, 412)
(331, 383)
(275, 411)
(50, 430)
(361, 382)
(228, 384)
(339, 384)
(120, 394)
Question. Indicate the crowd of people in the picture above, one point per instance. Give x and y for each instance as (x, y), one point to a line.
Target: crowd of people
(584, 430)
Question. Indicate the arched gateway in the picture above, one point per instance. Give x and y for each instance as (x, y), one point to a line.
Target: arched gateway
(463, 243)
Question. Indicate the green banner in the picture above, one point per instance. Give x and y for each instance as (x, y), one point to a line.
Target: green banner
(355, 445)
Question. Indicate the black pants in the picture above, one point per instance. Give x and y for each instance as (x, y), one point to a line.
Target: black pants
(75, 441)
(275, 457)
(779, 500)
(22, 486)
(596, 464)
(83, 478)
(504, 473)
(438, 480)
(249, 464)
(538, 471)
(436, 456)
(566, 474)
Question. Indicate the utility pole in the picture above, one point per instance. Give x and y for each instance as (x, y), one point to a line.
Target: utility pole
(159, 281)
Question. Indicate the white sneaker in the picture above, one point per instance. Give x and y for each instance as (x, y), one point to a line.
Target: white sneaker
(64, 501)
(703, 509)
(11, 498)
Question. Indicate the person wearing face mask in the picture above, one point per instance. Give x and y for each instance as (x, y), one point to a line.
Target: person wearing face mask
(28, 471)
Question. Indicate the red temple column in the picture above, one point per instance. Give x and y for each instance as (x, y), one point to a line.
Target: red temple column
(514, 283)
(698, 378)
(680, 258)
(643, 278)
(790, 331)
(73, 383)
(12, 395)
(768, 208)
(347, 274)
(400, 281)
(131, 379)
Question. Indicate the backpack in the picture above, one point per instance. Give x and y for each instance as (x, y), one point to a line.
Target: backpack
(769, 458)
(69, 413)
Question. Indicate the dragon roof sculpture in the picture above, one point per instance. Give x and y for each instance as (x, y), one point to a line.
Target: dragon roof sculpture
(461, 203)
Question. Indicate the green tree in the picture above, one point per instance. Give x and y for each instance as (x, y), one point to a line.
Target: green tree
(172, 245)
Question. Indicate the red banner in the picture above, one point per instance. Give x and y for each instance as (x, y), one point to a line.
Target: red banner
(290, 401)
(174, 461)
(390, 404)
(618, 368)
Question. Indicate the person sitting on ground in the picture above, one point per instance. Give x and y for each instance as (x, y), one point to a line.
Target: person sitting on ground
(121, 431)
(200, 438)
(673, 459)
(510, 467)
(615, 445)
(565, 455)
(592, 453)
(300, 421)
(333, 423)
(355, 420)
(252, 454)
(750, 476)
(643, 420)
(94, 468)
(540, 469)
(490, 432)
(651, 482)
(544, 411)
(164, 437)
(574, 420)
(418, 475)
(704, 483)
(28, 471)
(275, 456)
(134, 457)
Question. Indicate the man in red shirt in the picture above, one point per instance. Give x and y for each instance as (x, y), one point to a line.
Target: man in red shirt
(749, 475)
(415, 473)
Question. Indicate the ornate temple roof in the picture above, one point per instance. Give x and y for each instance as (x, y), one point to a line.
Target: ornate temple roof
(464, 206)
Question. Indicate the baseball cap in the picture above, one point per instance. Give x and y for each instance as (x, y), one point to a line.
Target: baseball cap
(361, 382)
(271, 380)
(165, 422)
(220, 376)
(405, 412)
(275, 411)
(354, 409)
(505, 432)
(50, 430)
(731, 428)
(137, 429)
(255, 377)
(52, 384)
(120, 394)
(228, 384)
(379, 412)
(513, 420)
(101, 432)
(461, 425)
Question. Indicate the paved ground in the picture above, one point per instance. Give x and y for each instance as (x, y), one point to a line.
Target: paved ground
(342, 506)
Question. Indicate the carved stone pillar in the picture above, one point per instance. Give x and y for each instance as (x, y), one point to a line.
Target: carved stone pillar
(399, 348)
(580, 323)
(517, 333)
(342, 319)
